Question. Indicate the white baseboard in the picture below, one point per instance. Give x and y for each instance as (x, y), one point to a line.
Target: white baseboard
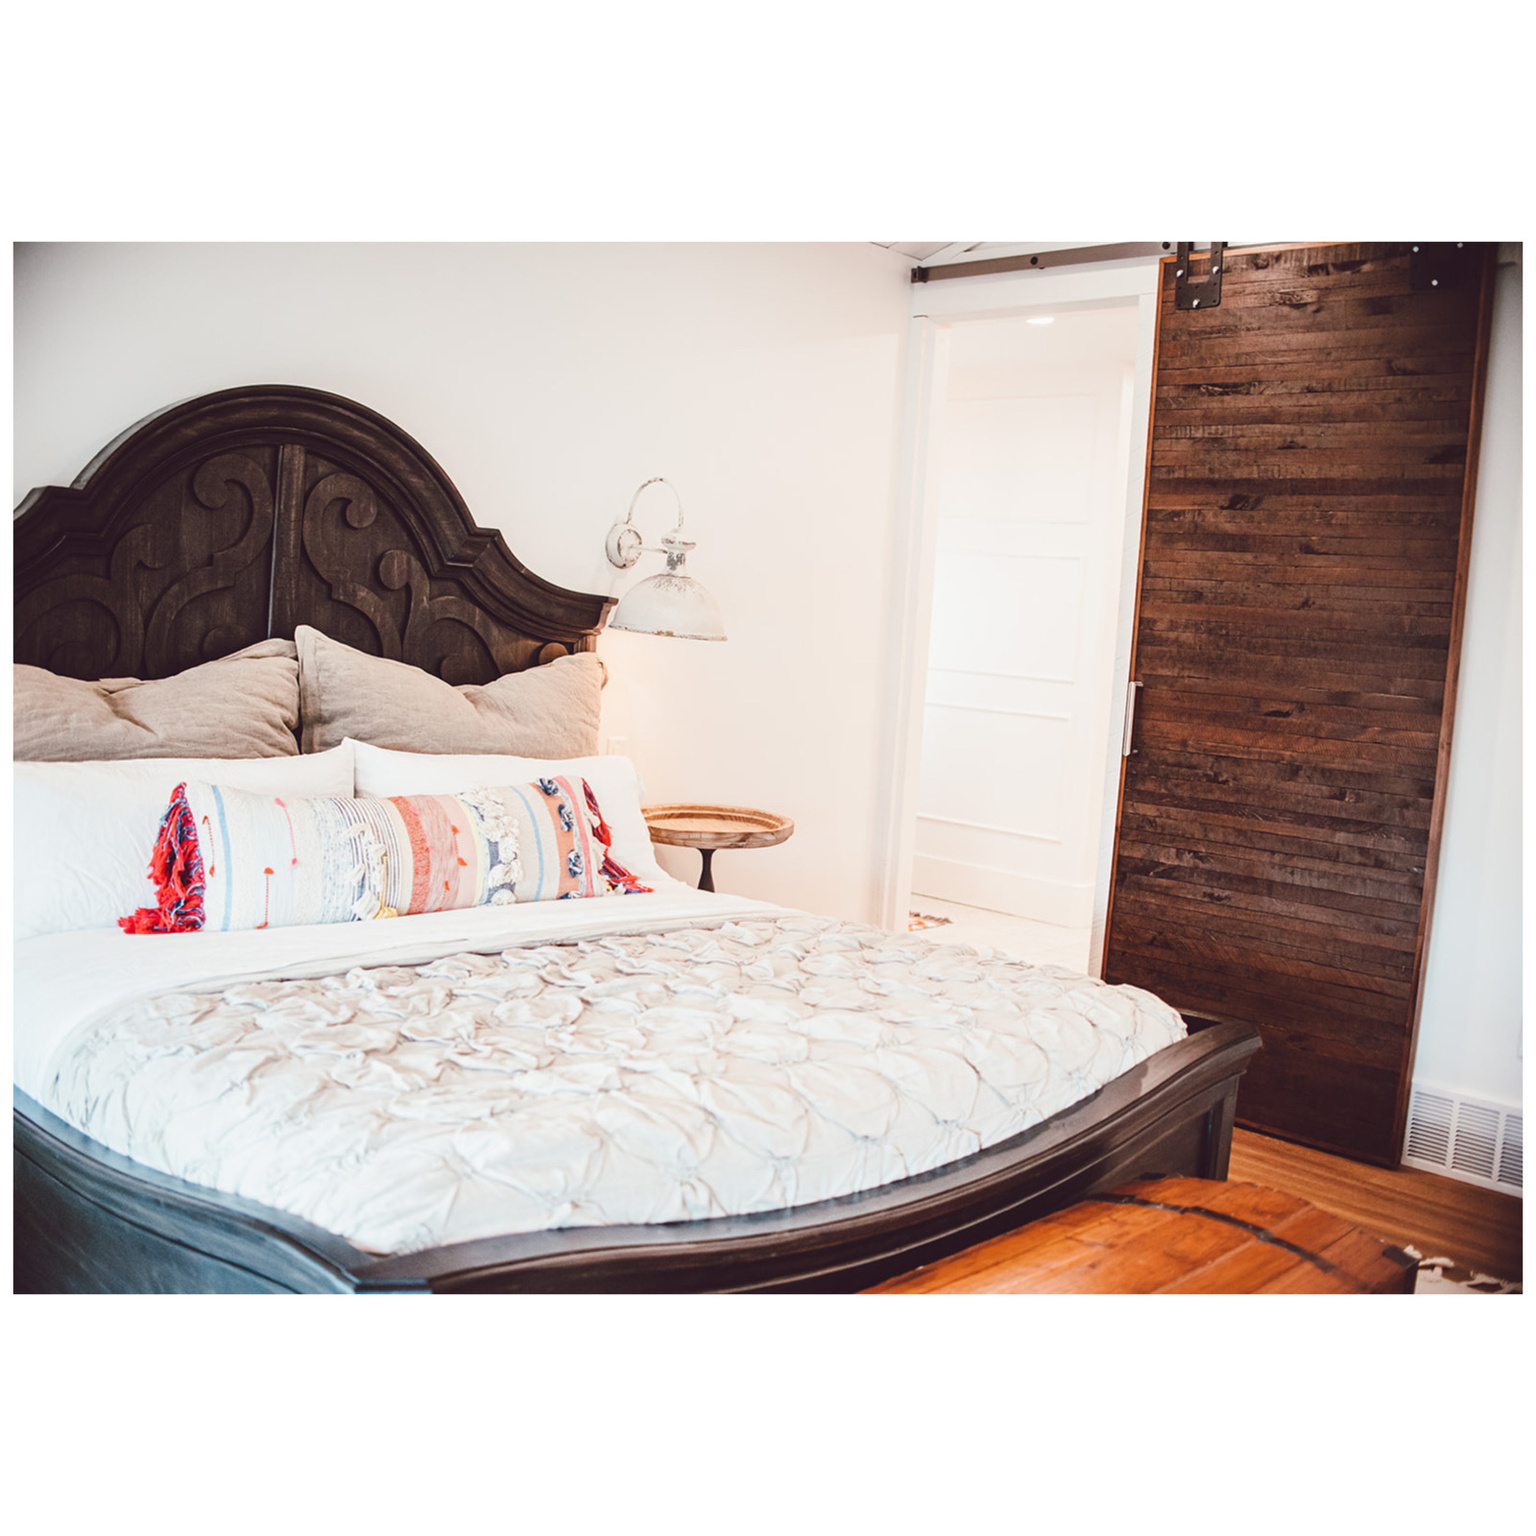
(999, 890)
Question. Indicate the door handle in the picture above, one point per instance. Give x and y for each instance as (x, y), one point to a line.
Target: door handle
(1130, 718)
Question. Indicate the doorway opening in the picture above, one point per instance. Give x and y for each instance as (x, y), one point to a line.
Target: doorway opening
(1031, 443)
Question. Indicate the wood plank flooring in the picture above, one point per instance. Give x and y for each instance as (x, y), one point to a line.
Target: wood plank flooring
(1479, 1228)
(1172, 1236)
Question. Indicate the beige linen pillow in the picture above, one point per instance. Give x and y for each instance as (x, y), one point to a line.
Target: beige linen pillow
(548, 711)
(244, 705)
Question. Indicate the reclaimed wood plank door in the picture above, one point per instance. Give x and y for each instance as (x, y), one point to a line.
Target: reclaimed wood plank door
(1303, 572)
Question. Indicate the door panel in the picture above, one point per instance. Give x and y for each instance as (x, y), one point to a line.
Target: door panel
(1027, 558)
(1299, 611)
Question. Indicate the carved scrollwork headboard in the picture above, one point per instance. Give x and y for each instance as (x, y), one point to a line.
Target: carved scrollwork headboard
(239, 515)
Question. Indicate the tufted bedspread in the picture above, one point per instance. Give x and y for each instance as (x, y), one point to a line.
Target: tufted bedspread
(739, 1066)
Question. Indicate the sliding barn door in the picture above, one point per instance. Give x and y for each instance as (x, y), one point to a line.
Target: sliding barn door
(1299, 612)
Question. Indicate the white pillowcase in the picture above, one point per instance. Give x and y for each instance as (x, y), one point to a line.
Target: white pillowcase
(382, 771)
(85, 831)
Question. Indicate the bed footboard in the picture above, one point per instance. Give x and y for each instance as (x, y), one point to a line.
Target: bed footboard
(89, 1220)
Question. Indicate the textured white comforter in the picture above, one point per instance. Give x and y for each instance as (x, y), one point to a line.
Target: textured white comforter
(731, 1064)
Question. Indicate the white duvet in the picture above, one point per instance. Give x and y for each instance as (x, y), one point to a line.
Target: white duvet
(641, 1059)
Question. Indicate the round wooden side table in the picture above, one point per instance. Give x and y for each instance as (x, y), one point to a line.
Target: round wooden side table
(712, 827)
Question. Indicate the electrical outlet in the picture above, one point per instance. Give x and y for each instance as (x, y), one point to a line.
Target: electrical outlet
(615, 746)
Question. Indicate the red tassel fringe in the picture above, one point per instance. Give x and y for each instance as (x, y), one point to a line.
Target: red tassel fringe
(176, 867)
(613, 871)
(599, 827)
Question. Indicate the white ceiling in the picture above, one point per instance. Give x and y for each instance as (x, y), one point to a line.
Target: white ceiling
(917, 251)
(939, 253)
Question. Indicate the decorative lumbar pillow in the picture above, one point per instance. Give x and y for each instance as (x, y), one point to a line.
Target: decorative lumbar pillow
(614, 779)
(245, 705)
(84, 830)
(547, 711)
(227, 860)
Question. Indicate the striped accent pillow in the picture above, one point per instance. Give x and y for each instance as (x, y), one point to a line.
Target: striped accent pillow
(228, 860)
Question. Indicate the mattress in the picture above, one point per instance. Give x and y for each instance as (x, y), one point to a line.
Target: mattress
(657, 1058)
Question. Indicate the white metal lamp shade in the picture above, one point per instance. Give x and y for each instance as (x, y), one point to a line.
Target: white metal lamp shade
(669, 605)
(672, 603)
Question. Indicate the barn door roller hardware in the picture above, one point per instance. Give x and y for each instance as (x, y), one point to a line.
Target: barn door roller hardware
(1187, 293)
(1043, 261)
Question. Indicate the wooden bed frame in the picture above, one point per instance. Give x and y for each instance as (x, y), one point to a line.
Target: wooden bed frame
(224, 520)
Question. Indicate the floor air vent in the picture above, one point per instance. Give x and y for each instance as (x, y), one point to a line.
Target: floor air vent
(1478, 1142)
(1509, 1152)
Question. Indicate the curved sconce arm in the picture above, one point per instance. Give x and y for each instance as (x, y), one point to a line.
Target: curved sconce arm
(624, 543)
(672, 603)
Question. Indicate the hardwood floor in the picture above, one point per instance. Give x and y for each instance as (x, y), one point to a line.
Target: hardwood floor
(1478, 1228)
(1172, 1236)
(1099, 1247)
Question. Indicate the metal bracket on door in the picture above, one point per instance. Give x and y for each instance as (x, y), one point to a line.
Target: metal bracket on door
(1130, 718)
(1437, 264)
(1187, 293)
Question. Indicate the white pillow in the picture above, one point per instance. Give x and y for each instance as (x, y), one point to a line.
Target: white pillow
(85, 831)
(382, 771)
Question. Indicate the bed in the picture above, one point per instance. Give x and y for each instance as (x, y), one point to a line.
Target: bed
(162, 1078)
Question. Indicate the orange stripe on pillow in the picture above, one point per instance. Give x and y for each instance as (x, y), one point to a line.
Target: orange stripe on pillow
(421, 853)
(446, 864)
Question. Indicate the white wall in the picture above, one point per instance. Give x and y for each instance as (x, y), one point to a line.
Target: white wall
(1470, 1017)
(549, 381)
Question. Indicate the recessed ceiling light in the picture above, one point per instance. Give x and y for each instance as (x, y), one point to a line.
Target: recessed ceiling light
(1041, 320)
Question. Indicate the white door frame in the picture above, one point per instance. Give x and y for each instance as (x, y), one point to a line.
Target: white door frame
(936, 308)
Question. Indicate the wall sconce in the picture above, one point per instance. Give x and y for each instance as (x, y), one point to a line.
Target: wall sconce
(672, 603)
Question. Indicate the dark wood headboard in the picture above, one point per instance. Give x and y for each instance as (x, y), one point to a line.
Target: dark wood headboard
(237, 516)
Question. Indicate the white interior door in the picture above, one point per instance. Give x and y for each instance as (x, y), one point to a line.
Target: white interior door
(1030, 529)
